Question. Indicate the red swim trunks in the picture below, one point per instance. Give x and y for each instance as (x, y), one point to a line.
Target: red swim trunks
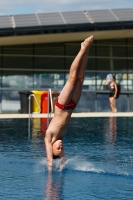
(70, 105)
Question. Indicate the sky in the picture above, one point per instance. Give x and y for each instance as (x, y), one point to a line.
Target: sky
(12, 7)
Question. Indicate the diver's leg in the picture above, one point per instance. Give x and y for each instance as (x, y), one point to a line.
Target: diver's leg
(76, 74)
(80, 78)
(78, 88)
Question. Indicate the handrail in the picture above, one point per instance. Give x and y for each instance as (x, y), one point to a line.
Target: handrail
(50, 103)
(30, 114)
(50, 95)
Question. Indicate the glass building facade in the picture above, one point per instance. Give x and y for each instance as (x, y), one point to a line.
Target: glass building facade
(43, 66)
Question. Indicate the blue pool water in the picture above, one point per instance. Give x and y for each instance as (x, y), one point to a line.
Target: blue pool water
(99, 153)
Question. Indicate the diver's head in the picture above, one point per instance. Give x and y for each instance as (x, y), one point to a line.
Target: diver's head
(57, 149)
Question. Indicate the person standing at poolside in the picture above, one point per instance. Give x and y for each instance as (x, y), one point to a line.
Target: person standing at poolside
(113, 94)
(65, 104)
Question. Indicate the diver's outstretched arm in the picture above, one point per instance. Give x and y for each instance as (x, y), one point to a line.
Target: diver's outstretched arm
(49, 152)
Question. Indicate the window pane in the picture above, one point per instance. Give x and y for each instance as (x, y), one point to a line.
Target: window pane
(101, 76)
(91, 64)
(72, 49)
(130, 41)
(103, 64)
(17, 79)
(59, 80)
(119, 42)
(18, 49)
(48, 80)
(103, 42)
(89, 81)
(0, 79)
(10, 101)
(0, 62)
(92, 51)
(120, 65)
(86, 102)
(121, 78)
(103, 103)
(0, 101)
(119, 51)
(43, 80)
(49, 63)
(49, 49)
(121, 103)
(130, 51)
(130, 65)
(130, 81)
(130, 102)
(17, 62)
(103, 51)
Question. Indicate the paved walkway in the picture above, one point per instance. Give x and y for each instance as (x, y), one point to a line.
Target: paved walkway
(91, 114)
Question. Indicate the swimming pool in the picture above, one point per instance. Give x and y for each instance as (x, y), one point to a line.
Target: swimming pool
(99, 154)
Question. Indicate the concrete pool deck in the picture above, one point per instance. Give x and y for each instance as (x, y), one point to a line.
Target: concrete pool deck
(91, 114)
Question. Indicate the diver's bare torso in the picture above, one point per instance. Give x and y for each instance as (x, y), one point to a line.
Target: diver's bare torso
(59, 124)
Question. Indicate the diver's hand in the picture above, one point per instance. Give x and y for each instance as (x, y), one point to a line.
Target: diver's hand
(50, 168)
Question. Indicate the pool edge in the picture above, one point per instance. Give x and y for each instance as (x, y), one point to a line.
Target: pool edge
(91, 114)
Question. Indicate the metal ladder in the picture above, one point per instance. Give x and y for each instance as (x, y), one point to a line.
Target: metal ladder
(49, 102)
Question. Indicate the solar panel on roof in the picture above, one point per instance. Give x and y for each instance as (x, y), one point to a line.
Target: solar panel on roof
(50, 19)
(101, 16)
(26, 20)
(61, 22)
(123, 14)
(5, 22)
(76, 17)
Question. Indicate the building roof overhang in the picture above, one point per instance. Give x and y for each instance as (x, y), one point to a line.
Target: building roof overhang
(66, 26)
